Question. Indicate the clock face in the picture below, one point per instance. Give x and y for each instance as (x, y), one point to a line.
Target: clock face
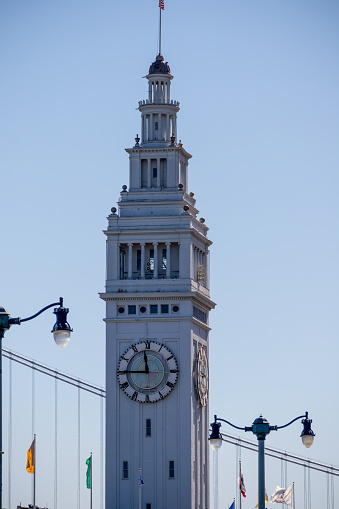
(201, 376)
(147, 371)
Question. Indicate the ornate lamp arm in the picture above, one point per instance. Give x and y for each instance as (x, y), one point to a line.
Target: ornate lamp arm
(296, 419)
(227, 422)
(17, 321)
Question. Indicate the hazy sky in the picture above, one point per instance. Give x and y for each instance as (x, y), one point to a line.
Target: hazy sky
(258, 88)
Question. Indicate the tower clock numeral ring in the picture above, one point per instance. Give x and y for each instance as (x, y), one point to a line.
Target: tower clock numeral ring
(147, 372)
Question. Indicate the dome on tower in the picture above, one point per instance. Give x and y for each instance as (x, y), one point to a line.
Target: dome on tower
(159, 66)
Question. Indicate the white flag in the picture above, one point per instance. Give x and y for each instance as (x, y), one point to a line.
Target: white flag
(282, 495)
(288, 495)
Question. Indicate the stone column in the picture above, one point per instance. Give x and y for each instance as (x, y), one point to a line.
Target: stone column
(207, 270)
(149, 178)
(130, 248)
(168, 260)
(155, 246)
(142, 245)
(158, 171)
(168, 134)
(159, 127)
(151, 127)
(174, 125)
(142, 128)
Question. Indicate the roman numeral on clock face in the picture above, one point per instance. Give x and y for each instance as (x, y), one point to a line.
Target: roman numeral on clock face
(124, 385)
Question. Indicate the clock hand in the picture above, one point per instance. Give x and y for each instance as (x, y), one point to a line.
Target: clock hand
(146, 364)
(127, 371)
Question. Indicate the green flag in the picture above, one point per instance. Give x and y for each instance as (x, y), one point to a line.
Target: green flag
(88, 473)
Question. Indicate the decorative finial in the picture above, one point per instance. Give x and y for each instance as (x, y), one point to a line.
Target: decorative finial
(124, 188)
(137, 139)
(172, 139)
(113, 210)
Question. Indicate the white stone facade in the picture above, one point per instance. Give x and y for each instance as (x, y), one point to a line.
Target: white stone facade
(157, 290)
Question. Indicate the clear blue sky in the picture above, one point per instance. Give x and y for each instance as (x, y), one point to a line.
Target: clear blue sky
(258, 87)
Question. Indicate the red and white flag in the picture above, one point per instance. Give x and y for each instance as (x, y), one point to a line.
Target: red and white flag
(242, 485)
(162, 4)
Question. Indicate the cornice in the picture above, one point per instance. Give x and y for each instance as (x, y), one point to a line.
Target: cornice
(161, 319)
(140, 150)
(196, 297)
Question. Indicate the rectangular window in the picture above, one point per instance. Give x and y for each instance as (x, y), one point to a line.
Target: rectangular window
(148, 506)
(156, 126)
(171, 470)
(125, 469)
(164, 308)
(153, 309)
(138, 259)
(164, 260)
(155, 173)
(148, 427)
(132, 310)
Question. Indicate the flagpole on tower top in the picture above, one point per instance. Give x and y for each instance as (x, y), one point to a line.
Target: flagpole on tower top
(161, 7)
(160, 28)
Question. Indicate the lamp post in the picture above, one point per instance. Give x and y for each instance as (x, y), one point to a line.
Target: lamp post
(61, 332)
(261, 428)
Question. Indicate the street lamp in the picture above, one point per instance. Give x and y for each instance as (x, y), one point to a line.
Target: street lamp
(61, 332)
(261, 428)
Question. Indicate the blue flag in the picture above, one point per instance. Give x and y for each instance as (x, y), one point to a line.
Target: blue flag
(140, 481)
(232, 505)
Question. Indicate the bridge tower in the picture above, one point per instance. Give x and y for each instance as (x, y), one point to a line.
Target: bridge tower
(157, 322)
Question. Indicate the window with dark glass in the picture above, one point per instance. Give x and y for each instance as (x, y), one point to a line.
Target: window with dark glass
(125, 469)
(156, 126)
(154, 308)
(148, 506)
(171, 470)
(138, 259)
(148, 427)
(164, 308)
(155, 173)
(132, 310)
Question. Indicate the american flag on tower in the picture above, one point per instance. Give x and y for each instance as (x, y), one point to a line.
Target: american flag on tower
(162, 4)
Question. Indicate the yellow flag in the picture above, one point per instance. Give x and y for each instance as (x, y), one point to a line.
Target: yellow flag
(31, 458)
(266, 499)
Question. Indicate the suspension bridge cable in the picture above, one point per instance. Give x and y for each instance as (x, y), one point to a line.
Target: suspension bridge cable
(100, 391)
(10, 431)
(275, 453)
(101, 453)
(63, 377)
(33, 422)
(78, 491)
(56, 444)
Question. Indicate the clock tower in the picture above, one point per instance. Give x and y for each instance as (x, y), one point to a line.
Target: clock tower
(157, 322)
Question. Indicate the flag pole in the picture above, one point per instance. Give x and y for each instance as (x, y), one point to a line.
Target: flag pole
(240, 484)
(140, 477)
(293, 497)
(91, 494)
(34, 452)
(159, 27)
